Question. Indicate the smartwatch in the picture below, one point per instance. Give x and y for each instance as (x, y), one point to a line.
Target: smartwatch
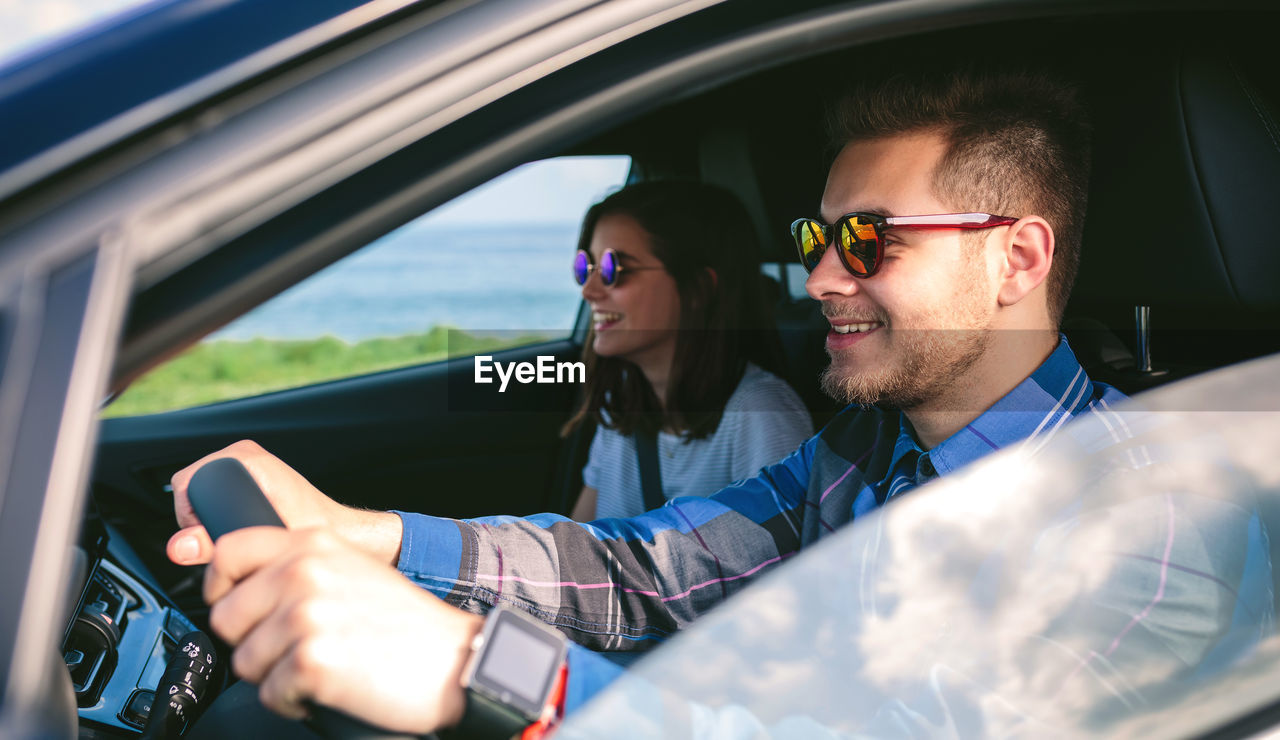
(514, 665)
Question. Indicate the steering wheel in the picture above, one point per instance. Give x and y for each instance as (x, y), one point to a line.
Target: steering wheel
(226, 498)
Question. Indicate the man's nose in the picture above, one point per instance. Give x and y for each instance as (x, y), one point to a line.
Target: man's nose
(830, 278)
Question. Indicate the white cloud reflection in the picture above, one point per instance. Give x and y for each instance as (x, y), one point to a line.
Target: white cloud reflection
(1070, 593)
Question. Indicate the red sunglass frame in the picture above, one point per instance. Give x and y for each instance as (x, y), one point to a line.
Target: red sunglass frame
(883, 223)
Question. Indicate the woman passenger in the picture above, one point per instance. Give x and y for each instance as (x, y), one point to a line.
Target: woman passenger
(681, 347)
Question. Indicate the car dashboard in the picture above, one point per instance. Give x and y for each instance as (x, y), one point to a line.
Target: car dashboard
(121, 634)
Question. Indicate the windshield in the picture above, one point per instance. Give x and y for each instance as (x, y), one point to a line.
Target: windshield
(1047, 590)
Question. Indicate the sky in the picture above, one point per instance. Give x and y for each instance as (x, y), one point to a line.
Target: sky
(555, 191)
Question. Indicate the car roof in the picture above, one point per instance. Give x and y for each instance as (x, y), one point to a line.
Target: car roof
(110, 71)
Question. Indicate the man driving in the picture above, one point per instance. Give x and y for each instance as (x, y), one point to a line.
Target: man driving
(942, 255)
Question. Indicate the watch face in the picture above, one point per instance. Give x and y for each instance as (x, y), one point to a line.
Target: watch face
(518, 663)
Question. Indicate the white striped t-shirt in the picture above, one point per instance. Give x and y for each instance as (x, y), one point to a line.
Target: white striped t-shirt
(763, 422)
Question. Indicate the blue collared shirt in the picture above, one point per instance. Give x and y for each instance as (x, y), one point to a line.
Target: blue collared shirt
(627, 584)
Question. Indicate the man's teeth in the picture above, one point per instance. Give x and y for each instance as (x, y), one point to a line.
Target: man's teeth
(605, 317)
(854, 328)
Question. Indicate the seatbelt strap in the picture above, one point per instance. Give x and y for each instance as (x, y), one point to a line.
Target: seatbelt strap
(650, 472)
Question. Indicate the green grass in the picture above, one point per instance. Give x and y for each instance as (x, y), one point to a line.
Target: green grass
(222, 370)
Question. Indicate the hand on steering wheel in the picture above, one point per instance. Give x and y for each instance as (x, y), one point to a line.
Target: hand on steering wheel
(316, 620)
(298, 504)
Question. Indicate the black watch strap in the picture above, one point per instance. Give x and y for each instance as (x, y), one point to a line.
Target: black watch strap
(485, 719)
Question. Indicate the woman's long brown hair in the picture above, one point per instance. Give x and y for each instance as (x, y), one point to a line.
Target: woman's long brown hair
(703, 237)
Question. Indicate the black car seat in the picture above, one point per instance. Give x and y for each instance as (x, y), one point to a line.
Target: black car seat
(778, 174)
(1184, 193)
(1182, 220)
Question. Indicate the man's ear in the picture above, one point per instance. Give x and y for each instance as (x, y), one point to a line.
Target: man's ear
(715, 279)
(1028, 255)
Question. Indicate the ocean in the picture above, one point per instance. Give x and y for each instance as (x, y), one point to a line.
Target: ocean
(508, 278)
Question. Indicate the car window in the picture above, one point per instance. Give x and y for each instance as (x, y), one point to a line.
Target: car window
(795, 279)
(1112, 578)
(488, 270)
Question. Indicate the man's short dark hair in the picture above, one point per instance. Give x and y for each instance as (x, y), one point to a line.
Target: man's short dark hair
(1018, 145)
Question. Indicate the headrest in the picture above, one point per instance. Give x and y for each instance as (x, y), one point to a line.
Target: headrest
(1185, 191)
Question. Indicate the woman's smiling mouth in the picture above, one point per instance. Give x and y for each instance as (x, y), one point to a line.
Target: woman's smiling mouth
(604, 319)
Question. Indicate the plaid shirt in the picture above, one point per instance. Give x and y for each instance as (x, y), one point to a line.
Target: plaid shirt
(627, 584)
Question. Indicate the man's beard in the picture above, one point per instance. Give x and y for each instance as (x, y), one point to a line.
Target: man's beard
(928, 362)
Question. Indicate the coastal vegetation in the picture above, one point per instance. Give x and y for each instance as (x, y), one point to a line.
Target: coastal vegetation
(224, 369)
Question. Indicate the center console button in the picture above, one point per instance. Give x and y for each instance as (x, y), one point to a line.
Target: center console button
(138, 708)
